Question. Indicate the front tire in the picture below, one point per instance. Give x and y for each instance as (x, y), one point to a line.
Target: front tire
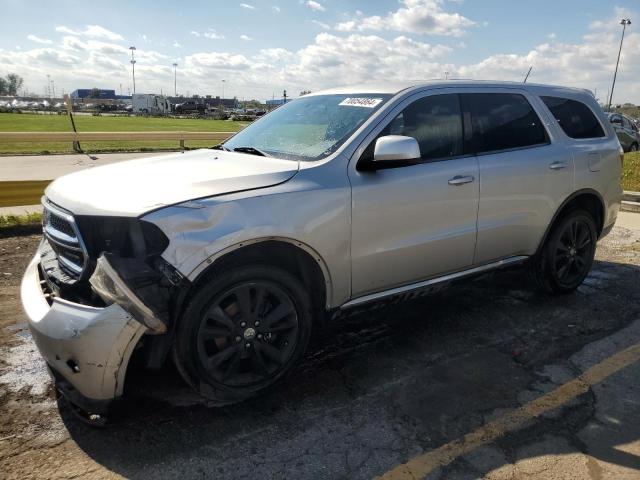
(567, 254)
(242, 332)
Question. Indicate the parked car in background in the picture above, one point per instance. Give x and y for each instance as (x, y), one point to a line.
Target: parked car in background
(627, 131)
(189, 107)
(227, 258)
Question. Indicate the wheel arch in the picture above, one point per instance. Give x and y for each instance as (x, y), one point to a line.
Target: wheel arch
(587, 199)
(295, 256)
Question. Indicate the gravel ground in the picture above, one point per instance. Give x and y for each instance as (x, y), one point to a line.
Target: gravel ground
(377, 390)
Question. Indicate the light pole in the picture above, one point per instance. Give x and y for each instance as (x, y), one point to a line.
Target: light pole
(222, 99)
(175, 89)
(624, 22)
(133, 67)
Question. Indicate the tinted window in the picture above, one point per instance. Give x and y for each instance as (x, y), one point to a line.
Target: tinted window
(575, 118)
(626, 123)
(435, 122)
(503, 121)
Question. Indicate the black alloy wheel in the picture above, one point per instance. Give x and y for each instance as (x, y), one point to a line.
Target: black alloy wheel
(574, 252)
(566, 257)
(242, 331)
(247, 334)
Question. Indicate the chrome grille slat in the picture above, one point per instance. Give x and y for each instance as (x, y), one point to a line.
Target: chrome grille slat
(60, 230)
(61, 239)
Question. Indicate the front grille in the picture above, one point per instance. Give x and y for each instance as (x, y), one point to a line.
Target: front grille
(60, 224)
(62, 233)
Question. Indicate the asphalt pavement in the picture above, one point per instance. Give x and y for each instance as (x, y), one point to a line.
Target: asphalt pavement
(488, 379)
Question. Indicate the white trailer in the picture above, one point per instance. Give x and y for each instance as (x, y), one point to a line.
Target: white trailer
(150, 104)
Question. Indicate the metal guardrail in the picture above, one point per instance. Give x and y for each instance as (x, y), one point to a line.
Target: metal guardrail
(16, 193)
(110, 136)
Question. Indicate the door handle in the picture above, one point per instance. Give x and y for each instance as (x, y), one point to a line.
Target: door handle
(558, 165)
(461, 180)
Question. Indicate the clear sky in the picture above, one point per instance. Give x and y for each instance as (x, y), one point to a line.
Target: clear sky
(261, 47)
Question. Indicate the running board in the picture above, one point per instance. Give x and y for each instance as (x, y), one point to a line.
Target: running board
(416, 289)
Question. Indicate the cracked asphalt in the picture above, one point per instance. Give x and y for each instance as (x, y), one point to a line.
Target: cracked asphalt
(376, 390)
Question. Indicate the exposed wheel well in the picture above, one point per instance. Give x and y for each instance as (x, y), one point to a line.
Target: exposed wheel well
(280, 254)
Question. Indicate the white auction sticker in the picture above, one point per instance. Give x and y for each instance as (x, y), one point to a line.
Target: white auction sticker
(360, 102)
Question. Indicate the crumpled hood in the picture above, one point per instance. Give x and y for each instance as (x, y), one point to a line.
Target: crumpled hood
(134, 187)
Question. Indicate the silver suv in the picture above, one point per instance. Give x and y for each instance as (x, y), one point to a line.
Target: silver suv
(226, 258)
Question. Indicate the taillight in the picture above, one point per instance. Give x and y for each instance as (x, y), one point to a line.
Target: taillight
(621, 158)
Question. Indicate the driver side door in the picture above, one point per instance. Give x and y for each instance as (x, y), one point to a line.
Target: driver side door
(417, 219)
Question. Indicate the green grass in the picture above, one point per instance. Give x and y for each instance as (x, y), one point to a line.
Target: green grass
(10, 221)
(11, 122)
(631, 172)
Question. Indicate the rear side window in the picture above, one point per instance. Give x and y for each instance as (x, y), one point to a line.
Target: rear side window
(575, 118)
(503, 121)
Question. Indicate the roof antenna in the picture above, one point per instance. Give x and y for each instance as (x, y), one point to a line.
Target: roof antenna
(527, 76)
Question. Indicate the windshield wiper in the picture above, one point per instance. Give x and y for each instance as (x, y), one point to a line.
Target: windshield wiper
(251, 151)
(220, 146)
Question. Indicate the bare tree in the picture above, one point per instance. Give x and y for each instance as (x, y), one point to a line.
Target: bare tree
(13, 83)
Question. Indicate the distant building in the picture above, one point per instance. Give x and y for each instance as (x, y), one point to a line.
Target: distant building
(276, 102)
(102, 93)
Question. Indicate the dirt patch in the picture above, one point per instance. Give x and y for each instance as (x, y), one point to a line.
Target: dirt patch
(15, 254)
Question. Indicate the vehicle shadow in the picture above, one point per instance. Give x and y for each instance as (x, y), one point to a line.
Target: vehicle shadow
(382, 386)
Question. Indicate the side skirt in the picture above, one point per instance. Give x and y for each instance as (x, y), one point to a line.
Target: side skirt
(425, 287)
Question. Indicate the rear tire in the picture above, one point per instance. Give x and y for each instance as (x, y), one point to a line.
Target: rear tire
(634, 147)
(566, 257)
(242, 332)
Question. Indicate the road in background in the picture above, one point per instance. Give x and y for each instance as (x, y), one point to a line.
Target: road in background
(49, 167)
(24, 168)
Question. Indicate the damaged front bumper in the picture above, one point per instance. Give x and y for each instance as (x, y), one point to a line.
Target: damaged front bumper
(87, 349)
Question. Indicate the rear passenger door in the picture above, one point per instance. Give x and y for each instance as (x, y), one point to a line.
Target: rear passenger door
(524, 173)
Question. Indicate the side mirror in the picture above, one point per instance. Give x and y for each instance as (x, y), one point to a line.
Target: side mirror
(616, 120)
(395, 147)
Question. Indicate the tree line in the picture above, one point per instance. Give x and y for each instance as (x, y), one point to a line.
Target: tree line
(10, 84)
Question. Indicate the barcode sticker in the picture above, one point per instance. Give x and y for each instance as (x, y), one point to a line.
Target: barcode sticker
(360, 102)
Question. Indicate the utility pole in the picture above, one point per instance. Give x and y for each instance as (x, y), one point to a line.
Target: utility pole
(624, 22)
(222, 99)
(284, 96)
(133, 67)
(175, 76)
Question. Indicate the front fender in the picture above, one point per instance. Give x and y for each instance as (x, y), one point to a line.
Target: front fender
(316, 221)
